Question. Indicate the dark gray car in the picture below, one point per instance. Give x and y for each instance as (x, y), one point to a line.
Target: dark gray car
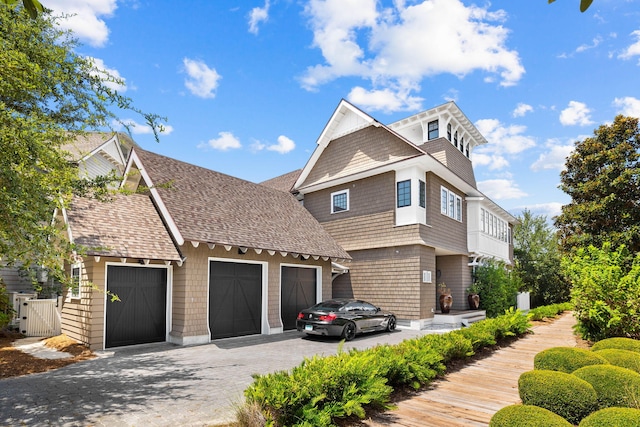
(344, 318)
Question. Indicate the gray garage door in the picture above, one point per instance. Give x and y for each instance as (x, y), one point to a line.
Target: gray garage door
(298, 292)
(235, 299)
(140, 316)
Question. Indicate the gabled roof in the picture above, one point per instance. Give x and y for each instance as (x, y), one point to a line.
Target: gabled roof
(204, 206)
(126, 227)
(283, 182)
(111, 146)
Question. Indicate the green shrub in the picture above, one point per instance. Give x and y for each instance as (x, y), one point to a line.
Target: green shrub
(564, 394)
(323, 389)
(527, 416)
(613, 417)
(623, 358)
(614, 385)
(606, 291)
(620, 343)
(547, 311)
(6, 309)
(566, 359)
(497, 287)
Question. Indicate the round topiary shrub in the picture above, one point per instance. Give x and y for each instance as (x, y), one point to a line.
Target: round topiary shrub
(527, 416)
(613, 417)
(620, 343)
(623, 358)
(561, 393)
(566, 359)
(615, 386)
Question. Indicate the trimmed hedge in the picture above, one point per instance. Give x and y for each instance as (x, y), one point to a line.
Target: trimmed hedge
(613, 417)
(527, 416)
(614, 385)
(623, 358)
(547, 311)
(619, 343)
(323, 389)
(561, 393)
(566, 359)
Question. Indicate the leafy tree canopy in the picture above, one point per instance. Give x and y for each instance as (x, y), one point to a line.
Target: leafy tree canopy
(602, 177)
(537, 260)
(49, 95)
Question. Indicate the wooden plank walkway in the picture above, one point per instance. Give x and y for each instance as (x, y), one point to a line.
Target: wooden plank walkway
(471, 395)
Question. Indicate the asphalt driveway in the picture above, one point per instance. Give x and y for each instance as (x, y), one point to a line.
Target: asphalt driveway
(163, 384)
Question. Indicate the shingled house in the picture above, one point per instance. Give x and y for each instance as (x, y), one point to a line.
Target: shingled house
(402, 200)
(195, 255)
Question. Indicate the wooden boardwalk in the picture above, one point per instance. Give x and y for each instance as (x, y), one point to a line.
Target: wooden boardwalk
(471, 395)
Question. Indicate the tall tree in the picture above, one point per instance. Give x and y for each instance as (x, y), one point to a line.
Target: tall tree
(48, 96)
(602, 176)
(584, 4)
(537, 260)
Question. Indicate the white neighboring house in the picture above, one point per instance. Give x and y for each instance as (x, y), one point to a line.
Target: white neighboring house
(97, 154)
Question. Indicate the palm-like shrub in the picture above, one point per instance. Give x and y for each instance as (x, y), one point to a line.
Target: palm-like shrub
(566, 359)
(620, 343)
(561, 393)
(613, 417)
(526, 416)
(615, 386)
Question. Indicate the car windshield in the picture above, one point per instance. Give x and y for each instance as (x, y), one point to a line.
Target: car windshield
(329, 306)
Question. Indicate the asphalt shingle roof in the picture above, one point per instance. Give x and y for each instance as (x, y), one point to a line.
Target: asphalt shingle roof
(283, 182)
(212, 207)
(127, 227)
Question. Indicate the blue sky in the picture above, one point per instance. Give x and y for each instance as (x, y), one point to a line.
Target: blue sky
(247, 87)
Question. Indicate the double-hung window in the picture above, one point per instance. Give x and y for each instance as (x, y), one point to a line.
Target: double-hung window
(423, 194)
(340, 201)
(450, 204)
(433, 130)
(74, 291)
(404, 193)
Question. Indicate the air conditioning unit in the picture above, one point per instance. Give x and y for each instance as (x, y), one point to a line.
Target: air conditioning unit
(17, 298)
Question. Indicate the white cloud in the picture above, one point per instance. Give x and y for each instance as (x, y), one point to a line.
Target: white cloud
(633, 49)
(554, 158)
(201, 80)
(225, 141)
(141, 128)
(85, 18)
(595, 42)
(501, 189)
(283, 146)
(549, 210)
(503, 139)
(257, 16)
(521, 110)
(383, 100)
(576, 113)
(450, 37)
(108, 75)
(629, 106)
(492, 161)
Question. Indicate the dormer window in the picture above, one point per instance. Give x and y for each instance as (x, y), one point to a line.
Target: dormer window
(433, 129)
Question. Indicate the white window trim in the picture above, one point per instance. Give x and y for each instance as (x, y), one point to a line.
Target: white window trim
(454, 212)
(335, 193)
(75, 293)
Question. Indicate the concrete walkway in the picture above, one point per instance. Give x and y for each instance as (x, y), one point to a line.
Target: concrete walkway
(165, 385)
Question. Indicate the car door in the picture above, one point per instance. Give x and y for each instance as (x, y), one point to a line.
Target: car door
(353, 312)
(374, 317)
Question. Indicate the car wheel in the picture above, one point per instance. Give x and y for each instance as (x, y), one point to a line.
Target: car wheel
(391, 324)
(349, 331)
